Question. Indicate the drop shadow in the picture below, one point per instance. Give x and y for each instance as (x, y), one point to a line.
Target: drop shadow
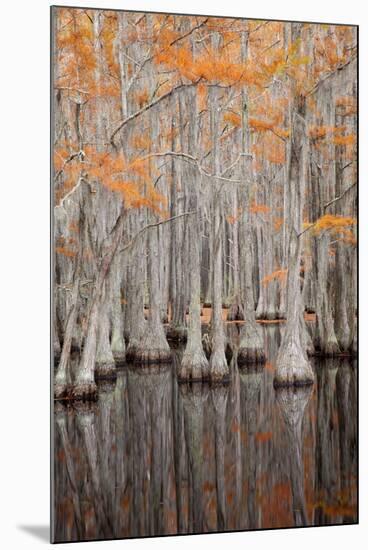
(41, 532)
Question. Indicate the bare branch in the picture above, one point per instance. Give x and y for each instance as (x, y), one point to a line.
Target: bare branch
(326, 206)
(196, 162)
(329, 75)
(155, 224)
(149, 106)
(340, 196)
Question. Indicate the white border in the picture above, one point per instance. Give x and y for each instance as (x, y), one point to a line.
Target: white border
(24, 285)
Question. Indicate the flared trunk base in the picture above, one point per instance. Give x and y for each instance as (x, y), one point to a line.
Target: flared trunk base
(119, 357)
(292, 369)
(150, 356)
(194, 367)
(251, 347)
(219, 369)
(105, 370)
(250, 356)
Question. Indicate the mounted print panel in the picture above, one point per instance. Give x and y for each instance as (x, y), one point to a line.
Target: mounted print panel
(204, 307)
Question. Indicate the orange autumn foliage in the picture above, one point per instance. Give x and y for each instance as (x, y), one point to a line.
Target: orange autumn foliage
(330, 222)
(233, 118)
(259, 208)
(263, 437)
(278, 275)
(65, 251)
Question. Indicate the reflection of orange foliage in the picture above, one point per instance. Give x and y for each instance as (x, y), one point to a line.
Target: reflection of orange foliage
(235, 428)
(276, 506)
(262, 437)
(208, 487)
(270, 367)
(125, 502)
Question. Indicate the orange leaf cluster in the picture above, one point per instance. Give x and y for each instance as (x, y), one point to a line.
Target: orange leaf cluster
(213, 67)
(278, 275)
(330, 222)
(259, 208)
(233, 118)
(65, 251)
(348, 139)
(131, 179)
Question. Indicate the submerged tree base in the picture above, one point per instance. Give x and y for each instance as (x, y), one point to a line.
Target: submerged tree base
(105, 370)
(251, 347)
(235, 312)
(130, 352)
(119, 357)
(194, 367)
(177, 334)
(292, 369)
(85, 391)
(147, 356)
(62, 391)
(249, 356)
(271, 315)
(219, 369)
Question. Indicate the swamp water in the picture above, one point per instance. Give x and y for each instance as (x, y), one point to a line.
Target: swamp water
(154, 457)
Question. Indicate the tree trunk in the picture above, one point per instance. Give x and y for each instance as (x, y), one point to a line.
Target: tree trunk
(105, 364)
(84, 386)
(251, 348)
(292, 365)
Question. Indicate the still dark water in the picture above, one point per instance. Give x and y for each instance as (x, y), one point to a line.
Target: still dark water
(152, 457)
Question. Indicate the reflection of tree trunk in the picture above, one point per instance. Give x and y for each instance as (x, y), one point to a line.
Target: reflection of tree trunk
(86, 424)
(193, 401)
(179, 450)
(106, 426)
(346, 399)
(219, 400)
(235, 398)
(250, 387)
(122, 437)
(326, 475)
(154, 500)
(62, 425)
(292, 403)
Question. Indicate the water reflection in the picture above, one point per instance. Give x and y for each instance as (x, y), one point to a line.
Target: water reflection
(153, 457)
(292, 403)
